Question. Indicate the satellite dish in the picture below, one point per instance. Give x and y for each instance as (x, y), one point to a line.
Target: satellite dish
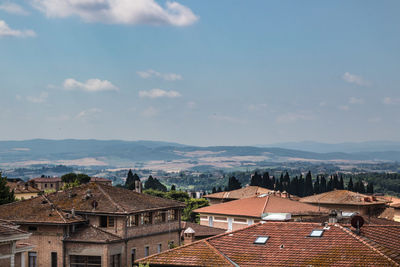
(357, 221)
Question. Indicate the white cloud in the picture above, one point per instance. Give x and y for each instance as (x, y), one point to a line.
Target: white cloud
(391, 101)
(344, 107)
(119, 11)
(88, 113)
(294, 117)
(256, 107)
(6, 31)
(355, 100)
(37, 99)
(157, 93)
(13, 8)
(356, 79)
(191, 104)
(166, 76)
(91, 85)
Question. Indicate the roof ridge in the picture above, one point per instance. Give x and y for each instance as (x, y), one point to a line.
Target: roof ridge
(55, 208)
(362, 240)
(216, 251)
(265, 205)
(109, 197)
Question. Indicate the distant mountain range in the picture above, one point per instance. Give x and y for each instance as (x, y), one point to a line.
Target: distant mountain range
(116, 153)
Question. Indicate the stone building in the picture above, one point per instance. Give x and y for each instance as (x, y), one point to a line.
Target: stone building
(97, 224)
(23, 190)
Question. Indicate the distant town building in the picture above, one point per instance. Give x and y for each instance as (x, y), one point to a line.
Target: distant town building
(240, 213)
(23, 190)
(13, 246)
(289, 244)
(55, 183)
(349, 201)
(95, 223)
(245, 192)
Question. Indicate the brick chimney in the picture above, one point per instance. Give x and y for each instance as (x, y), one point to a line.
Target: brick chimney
(188, 235)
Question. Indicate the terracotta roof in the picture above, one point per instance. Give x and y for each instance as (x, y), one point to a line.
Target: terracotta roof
(92, 234)
(10, 230)
(255, 206)
(396, 206)
(194, 254)
(109, 199)
(202, 230)
(21, 187)
(343, 197)
(46, 179)
(245, 192)
(289, 244)
(38, 210)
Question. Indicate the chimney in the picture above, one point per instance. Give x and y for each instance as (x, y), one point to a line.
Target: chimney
(73, 212)
(138, 186)
(188, 235)
(333, 217)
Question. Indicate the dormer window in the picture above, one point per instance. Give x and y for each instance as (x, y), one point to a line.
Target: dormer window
(107, 221)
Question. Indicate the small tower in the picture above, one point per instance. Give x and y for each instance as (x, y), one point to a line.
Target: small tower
(138, 186)
(189, 235)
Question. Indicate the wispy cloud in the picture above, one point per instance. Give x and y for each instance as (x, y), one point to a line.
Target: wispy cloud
(36, 99)
(355, 79)
(166, 76)
(119, 11)
(291, 117)
(226, 118)
(88, 114)
(6, 31)
(391, 101)
(256, 107)
(91, 85)
(355, 100)
(13, 8)
(157, 93)
(149, 112)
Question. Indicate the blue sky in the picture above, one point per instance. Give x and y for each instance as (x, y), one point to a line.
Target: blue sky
(200, 72)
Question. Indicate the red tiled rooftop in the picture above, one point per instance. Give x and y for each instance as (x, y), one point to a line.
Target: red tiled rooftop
(93, 235)
(343, 197)
(245, 192)
(255, 206)
(289, 244)
(202, 230)
(21, 187)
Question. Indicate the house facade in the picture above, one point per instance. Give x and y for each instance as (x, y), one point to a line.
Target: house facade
(96, 225)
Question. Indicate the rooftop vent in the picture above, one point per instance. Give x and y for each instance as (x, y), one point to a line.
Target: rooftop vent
(317, 233)
(261, 240)
(262, 195)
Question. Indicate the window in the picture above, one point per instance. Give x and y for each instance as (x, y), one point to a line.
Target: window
(133, 256)
(203, 217)
(51, 185)
(240, 220)
(316, 233)
(146, 251)
(45, 185)
(115, 260)
(159, 248)
(147, 217)
(106, 221)
(133, 220)
(172, 215)
(85, 261)
(220, 218)
(261, 240)
(32, 228)
(54, 259)
(32, 259)
(210, 221)
(159, 217)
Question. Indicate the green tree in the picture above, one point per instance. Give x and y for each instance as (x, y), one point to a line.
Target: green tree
(256, 180)
(130, 180)
(350, 185)
(82, 178)
(173, 187)
(6, 195)
(341, 183)
(316, 186)
(214, 190)
(370, 188)
(308, 186)
(154, 183)
(233, 184)
(322, 186)
(69, 177)
(192, 204)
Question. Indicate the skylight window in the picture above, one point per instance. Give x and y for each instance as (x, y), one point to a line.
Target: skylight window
(316, 233)
(261, 240)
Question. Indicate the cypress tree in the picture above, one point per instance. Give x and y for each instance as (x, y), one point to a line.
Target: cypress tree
(266, 181)
(370, 188)
(308, 186)
(350, 185)
(322, 186)
(341, 183)
(300, 188)
(6, 195)
(214, 190)
(329, 186)
(173, 187)
(219, 189)
(256, 180)
(294, 183)
(233, 184)
(335, 182)
(316, 186)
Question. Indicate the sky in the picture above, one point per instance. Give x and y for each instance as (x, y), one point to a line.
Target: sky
(200, 72)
